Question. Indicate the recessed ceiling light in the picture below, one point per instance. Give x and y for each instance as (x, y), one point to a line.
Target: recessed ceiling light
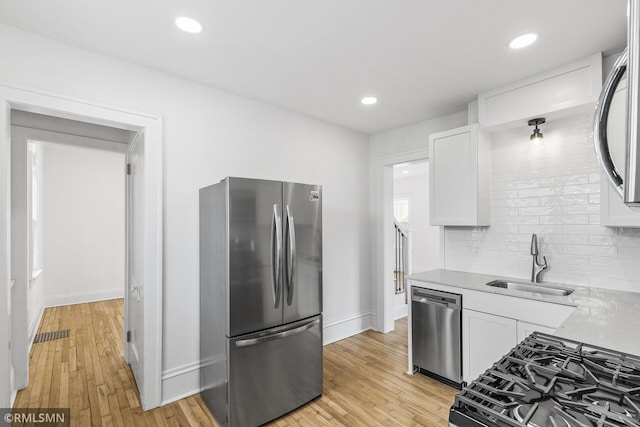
(189, 25)
(369, 100)
(523, 40)
(405, 171)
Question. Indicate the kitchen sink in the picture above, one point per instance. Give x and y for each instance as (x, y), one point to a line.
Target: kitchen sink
(531, 287)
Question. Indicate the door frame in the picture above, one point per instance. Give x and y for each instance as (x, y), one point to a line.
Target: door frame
(383, 235)
(37, 101)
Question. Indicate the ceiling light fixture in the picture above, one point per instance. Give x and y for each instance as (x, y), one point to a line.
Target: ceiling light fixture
(523, 40)
(369, 100)
(537, 136)
(189, 25)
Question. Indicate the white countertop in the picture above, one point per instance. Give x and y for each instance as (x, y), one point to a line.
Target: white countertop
(603, 317)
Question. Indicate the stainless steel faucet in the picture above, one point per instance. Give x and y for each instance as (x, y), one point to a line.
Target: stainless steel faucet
(536, 268)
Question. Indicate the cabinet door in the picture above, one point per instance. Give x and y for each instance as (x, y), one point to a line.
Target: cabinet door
(486, 338)
(613, 211)
(525, 329)
(458, 177)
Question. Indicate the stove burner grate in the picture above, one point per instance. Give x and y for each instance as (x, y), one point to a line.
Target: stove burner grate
(550, 381)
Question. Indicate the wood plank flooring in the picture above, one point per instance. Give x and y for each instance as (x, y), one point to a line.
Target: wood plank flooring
(365, 383)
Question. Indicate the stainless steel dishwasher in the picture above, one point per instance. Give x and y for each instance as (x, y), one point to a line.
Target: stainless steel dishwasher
(436, 322)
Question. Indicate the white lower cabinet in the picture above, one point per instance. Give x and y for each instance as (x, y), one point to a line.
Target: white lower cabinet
(525, 329)
(486, 338)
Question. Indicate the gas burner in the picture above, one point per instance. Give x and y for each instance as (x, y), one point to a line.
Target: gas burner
(551, 381)
(541, 414)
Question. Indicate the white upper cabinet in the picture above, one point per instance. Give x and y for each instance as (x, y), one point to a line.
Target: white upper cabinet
(459, 176)
(613, 211)
(559, 92)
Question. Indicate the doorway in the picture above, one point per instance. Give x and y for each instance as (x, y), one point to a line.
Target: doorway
(13, 317)
(417, 242)
(383, 234)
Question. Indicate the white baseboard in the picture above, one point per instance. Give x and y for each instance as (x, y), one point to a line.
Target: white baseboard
(341, 329)
(180, 382)
(79, 298)
(401, 311)
(184, 381)
(33, 328)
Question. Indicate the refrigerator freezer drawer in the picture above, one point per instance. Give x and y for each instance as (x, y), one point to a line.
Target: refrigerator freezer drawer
(274, 372)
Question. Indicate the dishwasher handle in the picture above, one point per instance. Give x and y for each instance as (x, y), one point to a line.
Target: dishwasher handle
(439, 298)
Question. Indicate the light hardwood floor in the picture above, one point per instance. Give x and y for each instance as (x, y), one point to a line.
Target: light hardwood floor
(365, 383)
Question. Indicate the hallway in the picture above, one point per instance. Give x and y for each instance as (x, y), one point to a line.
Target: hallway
(87, 372)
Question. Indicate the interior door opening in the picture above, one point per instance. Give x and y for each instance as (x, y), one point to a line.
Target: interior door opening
(75, 230)
(411, 243)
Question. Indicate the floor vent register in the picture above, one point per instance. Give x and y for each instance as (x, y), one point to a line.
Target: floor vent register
(50, 336)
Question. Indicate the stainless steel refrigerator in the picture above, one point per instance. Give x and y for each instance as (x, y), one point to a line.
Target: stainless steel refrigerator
(260, 298)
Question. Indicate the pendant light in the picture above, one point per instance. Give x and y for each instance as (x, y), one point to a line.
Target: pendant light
(537, 136)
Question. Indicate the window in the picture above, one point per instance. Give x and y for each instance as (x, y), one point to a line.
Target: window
(401, 209)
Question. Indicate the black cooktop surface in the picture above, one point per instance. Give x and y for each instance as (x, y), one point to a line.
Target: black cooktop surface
(550, 381)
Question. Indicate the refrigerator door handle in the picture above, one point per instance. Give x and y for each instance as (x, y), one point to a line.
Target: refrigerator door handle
(276, 254)
(291, 255)
(600, 121)
(278, 335)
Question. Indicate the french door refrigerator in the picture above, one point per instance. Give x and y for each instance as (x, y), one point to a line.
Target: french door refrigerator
(260, 298)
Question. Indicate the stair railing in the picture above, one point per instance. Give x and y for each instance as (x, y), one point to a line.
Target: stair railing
(401, 244)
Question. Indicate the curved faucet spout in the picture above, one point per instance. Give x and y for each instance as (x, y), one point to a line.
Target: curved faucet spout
(537, 268)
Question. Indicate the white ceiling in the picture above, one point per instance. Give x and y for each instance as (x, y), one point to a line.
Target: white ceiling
(421, 58)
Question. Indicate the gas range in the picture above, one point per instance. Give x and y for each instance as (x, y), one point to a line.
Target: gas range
(550, 381)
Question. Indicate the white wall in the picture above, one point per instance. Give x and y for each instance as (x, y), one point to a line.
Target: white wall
(209, 134)
(83, 225)
(555, 193)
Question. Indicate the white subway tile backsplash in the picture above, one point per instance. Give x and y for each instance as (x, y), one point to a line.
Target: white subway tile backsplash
(619, 284)
(603, 251)
(628, 273)
(565, 219)
(629, 252)
(629, 241)
(581, 189)
(588, 229)
(564, 180)
(568, 259)
(576, 239)
(544, 210)
(541, 229)
(594, 219)
(603, 240)
(582, 210)
(554, 193)
(538, 192)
